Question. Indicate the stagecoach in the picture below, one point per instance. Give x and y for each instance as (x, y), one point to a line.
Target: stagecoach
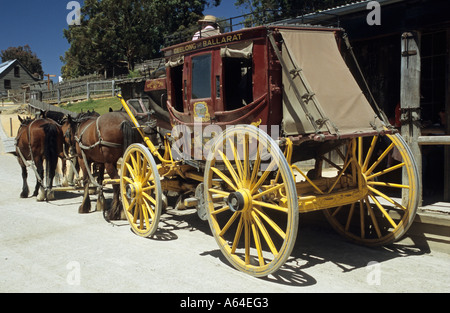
(257, 126)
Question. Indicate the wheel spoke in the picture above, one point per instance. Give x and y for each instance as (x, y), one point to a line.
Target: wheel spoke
(236, 158)
(369, 153)
(149, 209)
(271, 223)
(237, 236)
(150, 198)
(349, 217)
(131, 205)
(265, 234)
(257, 244)
(223, 209)
(256, 165)
(149, 188)
(145, 213)
(271, 206)
(219, 192)
(383, 184)
(224, 178)
(231, 170)
(263, 176)
(128, 180)
(361, 219)
(131, 171)
(247, 241)
(393, 168)
(385, 197)
(229, 223)
(270, 190)
(136, 212)
(383, 211)
(382, 156)
(373, 217)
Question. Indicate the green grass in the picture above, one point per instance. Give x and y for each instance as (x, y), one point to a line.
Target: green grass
(101, 105)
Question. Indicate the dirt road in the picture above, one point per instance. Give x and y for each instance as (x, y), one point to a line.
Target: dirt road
(49, 247)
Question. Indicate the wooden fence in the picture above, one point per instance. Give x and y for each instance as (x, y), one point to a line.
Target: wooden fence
(76, 91)
(36, 106)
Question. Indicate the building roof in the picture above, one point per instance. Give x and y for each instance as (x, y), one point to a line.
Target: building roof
(336, 12)
(6, 65)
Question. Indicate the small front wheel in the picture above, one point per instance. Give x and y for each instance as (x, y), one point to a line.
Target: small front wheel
(140, 190)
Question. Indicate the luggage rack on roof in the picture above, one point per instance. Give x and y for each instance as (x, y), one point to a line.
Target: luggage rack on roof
(226, 25)
(257, 18)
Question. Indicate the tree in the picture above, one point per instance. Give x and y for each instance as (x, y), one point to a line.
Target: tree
(288, 8)
(116, 34)
(26, 57)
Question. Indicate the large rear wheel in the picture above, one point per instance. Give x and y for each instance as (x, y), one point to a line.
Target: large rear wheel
(256, 221)
(390, 204)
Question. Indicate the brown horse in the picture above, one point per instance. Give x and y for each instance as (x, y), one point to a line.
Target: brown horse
(38, 140)
(101, 140)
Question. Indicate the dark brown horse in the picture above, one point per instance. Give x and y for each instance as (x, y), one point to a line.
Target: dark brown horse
(38, 140)
(101, 140)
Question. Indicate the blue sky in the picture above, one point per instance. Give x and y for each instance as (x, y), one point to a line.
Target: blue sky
(40, 24)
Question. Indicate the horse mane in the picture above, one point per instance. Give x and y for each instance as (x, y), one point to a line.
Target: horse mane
(83, 116)
(58, 117)
(25, 121)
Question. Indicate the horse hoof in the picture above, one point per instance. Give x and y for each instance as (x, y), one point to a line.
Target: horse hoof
(84, 210)
(41, 195)
(50, 195)
(100, 206)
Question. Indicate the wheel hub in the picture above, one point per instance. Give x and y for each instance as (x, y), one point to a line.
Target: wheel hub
(239, 200)
(133, 190)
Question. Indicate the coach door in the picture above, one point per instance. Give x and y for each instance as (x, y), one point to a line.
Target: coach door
(202, 87)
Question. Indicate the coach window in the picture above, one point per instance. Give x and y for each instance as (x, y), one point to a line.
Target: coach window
(238, 75)
(201, 77)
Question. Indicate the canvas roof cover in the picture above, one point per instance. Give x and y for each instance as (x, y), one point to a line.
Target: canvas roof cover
(334, 93)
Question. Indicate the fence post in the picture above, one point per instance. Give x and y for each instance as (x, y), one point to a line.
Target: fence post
(113, 87)
(410, 98)
(88, 93)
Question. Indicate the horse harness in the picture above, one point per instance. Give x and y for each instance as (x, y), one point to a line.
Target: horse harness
(100, 141)
(24, 160)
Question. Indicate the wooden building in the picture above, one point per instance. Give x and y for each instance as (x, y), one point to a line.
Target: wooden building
(13, 75)
(389, 37)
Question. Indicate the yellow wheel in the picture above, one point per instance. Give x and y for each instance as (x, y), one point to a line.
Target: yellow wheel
(140, 190)
(251, 200)
(389, 206)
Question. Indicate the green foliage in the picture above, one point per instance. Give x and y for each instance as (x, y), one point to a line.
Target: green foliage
(25, 56)
(287, 8)
(114, 35)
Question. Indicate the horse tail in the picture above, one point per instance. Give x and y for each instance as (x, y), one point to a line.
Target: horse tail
(130, 134)
(51, 148)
